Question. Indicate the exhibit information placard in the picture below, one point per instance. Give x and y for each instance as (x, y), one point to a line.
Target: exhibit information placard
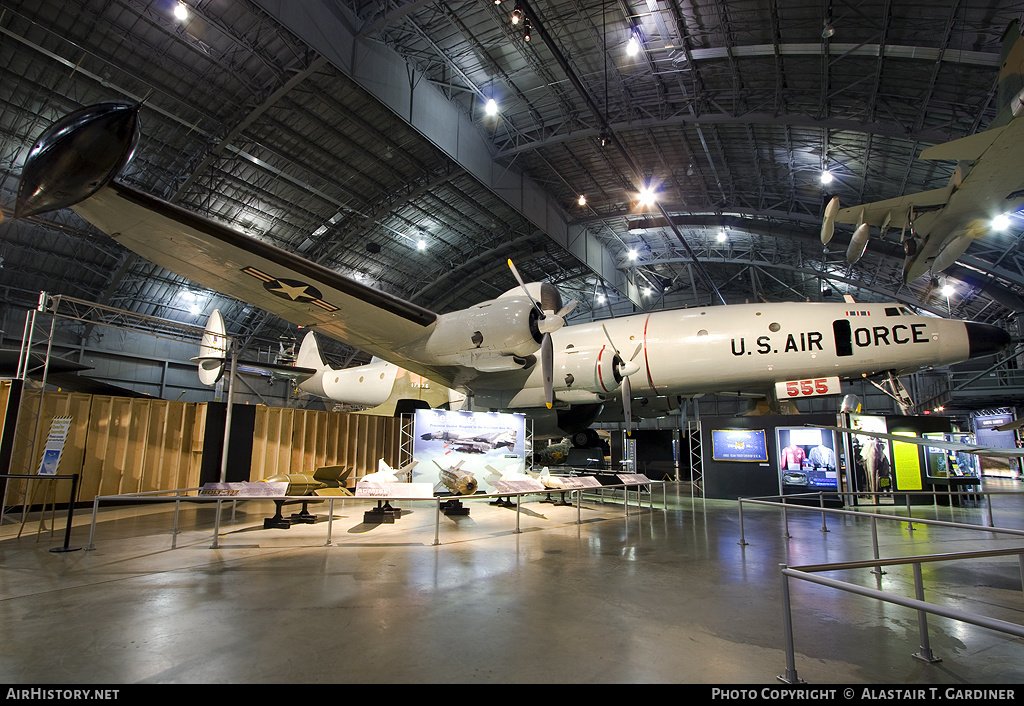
(518, 486)
(581, 482)
(414, 491)
(257, 489)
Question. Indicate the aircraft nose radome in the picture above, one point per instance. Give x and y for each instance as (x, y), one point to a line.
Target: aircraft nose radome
(986, 339)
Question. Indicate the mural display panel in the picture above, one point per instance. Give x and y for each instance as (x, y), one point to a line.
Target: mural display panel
(486, 444)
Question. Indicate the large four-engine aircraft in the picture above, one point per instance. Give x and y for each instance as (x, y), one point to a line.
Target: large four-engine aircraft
(937, 226)
(509, 353)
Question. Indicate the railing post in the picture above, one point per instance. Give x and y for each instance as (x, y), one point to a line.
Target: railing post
(821, 503)
(874, 545)
(925, 654)
(743, 540)
(790, 677)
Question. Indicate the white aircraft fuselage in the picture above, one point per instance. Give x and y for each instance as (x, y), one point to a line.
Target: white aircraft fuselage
(496, 352)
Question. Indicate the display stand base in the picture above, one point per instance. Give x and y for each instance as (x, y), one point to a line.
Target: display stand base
(382, 514)
(279, 522)
(454, 507)
(557, 503)
(502, 502)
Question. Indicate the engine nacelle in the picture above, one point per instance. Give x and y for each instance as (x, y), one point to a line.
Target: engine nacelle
(591, 369)
(499, 334)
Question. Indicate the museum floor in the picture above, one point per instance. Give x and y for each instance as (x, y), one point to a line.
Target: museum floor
(645, 596)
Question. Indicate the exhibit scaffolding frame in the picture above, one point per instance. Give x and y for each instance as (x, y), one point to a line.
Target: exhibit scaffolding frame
(693, 445)
(26, 426)
(59, 306)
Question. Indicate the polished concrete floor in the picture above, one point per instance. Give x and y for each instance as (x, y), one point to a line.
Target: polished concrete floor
(662, 595)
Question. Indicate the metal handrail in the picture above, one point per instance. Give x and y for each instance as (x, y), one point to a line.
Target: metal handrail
(179, 496)
(806, 573)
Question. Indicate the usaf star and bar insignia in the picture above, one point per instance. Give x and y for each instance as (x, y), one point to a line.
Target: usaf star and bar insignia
(290, 289)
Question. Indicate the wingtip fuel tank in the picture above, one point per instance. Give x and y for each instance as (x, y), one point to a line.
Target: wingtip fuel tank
(858, 244)
(77, 156)
(828, 225)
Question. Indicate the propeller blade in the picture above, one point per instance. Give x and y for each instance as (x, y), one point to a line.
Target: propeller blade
(547, 365)
(565, 310)
(627, 405)
(609, 337)
(515, 273)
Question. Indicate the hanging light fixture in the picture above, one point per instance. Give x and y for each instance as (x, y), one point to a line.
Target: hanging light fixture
(633, 46)
(491, 107)
(526, 30)
(517, 15)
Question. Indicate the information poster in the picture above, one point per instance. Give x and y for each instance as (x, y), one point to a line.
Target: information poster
(487, 444)
(54, 445)
(807, 457)
(739, 445)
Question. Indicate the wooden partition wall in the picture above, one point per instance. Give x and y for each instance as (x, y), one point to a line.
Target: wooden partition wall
(128, 445)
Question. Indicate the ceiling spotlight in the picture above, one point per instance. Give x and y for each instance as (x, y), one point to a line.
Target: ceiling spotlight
(517, 15)
(421, 244)
(633, 47)
(526, 30)
(491, 108)
(722, 237)
(632, 254)
(582, 200)
(826, 177)
(647, 197)
(828, 30)
(1001, 222)
(948, 290)
(497, 2)
(181, 12)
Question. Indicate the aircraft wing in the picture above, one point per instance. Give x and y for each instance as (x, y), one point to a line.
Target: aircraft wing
(934, 443)
(895, 209)
(966, 149)
(1010, 426)
(264, 275)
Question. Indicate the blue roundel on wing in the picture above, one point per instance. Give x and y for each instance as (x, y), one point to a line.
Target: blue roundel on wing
(292, 290)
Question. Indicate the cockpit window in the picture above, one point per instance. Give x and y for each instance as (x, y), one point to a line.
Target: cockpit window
(898, 311)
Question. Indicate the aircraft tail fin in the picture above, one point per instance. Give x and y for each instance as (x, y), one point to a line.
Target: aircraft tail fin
(212, 350)
(309, 354)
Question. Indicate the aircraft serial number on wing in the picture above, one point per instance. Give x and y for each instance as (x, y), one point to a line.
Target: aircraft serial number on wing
(811, 340)
(808, 388)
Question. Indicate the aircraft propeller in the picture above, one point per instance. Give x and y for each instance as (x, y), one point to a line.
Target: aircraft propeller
(625, 368)
(548, 322)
